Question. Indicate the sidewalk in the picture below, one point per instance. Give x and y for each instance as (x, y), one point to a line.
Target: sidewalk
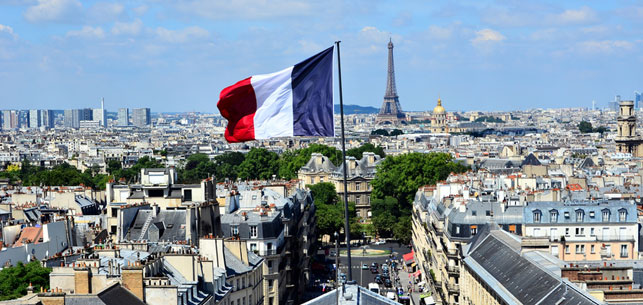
(405, 278)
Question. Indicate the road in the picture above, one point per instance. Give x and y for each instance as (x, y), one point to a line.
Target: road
(363, 277)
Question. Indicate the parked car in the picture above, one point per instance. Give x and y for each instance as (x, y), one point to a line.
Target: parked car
(388, 283)
(379, 242)
(391, 295)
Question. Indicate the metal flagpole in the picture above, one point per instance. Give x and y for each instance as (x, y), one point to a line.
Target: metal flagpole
(346, 225)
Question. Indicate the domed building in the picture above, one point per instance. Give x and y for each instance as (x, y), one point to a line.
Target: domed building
(439, 119)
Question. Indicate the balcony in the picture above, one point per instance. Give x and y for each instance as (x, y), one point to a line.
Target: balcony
(452, 253)
(453, 270)
(453, 288)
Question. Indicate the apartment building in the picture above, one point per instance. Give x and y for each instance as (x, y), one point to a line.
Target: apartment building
(584, 231)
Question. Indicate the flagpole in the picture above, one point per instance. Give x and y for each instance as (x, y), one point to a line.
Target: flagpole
(341, 113)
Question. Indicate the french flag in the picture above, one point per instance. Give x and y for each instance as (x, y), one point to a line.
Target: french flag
(296, 101)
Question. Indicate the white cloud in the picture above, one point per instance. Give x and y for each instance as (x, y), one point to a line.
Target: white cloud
(181, 36)
(88, 32)
(105, 12)
(127, 28)
(7, 29)
(250, 9)
(603, 46)
(583, 15)
(140, 10)
(54, 11)
(487, 36)
(437, 32)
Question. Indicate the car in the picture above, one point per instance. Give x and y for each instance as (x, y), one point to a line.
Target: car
(378, 279)
(364, 267)
(388, 283)
(375, 265)
(379, 242)
(373, 270)
(332, 254)
(342, 277)
(385, 275)
(391, 295)
(374, 287)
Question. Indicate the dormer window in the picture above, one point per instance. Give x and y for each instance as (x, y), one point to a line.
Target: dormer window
(537, 215)
(622, 215)
(580, 215)
(606, 215)
(553, 216)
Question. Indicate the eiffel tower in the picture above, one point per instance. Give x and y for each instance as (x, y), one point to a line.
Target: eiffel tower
(391, 111)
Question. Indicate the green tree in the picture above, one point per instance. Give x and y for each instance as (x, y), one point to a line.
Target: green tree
(396, 182)
(197, 167)
(227, 165)
(380, 132)
(396, 132)
(259, 163)
(15, 280)
(402, 230)
(113, 165)
(585, 127)
(367, 147)
(330, 213)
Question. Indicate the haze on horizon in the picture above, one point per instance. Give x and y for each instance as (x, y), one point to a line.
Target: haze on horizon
(178, 55)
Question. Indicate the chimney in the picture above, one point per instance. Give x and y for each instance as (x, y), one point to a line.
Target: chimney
(132, 277)
(82, 280)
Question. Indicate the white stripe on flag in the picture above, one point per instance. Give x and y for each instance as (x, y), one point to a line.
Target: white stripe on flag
(273, 117)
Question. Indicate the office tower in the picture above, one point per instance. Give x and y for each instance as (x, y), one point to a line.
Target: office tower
(99, 114)
(9, 119)
(47, 118)
(123, 117)
(141, 117)
(34, 118)
(617, 99)
(74, 116)
(637, 99)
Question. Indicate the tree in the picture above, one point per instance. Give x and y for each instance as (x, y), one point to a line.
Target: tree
(380, 132)
(585, 127)
(259, 163)
(330, 214)
(367, 147)
(402, 230)
(113, 165)
(396, 182)
(197, 167)
(15, 280)
(227, 165)
(396, 132)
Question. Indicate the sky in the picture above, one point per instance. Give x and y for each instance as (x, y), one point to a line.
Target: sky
(177, 55)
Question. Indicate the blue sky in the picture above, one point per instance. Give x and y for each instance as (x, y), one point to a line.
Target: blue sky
(177, 55)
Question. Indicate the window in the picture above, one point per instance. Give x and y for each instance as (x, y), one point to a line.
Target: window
(234, 230)
(566, 231)
(606, 215)
(537, 215)
(567, 249)
(253, 231)
(457, 230)
(592, 249)
(357, 199)
(566, 215)
(580, 249)
(553, 215)
(591, 232)
(357, 186)
(270, 284)
(591, 214)
(187, 195)
(580, 231)
(253, 247)
(512, 229)
(243, 284)
(321, 179)
(623, 250)
(622, 215)
(474, 230)
(474, 213)
(237, 286)
(580, 215)
(487, 213)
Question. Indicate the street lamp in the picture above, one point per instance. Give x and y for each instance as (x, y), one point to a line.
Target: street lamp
(336, 259)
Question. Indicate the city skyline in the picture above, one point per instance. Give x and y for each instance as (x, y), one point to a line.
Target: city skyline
(175, 57)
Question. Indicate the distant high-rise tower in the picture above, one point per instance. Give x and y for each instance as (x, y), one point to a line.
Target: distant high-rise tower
(141, 117)
(35, 118)
(391, 111)
(100, 115)
(123, 117)
(637, 100)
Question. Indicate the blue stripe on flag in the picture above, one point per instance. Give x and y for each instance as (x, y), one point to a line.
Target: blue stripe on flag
(312, 90)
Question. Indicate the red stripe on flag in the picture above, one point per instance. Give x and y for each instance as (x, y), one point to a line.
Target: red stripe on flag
(238, 105)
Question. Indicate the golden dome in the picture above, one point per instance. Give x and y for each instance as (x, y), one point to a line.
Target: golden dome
(439, 109)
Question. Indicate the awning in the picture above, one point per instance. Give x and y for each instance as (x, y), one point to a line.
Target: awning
(416, 273)
(408, 257)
